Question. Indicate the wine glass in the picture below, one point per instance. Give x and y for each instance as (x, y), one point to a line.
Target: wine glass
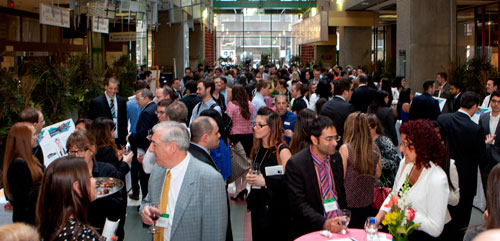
(155, 218)
(347, 215)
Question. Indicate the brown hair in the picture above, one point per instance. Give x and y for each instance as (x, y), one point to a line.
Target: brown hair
(240, 98)
(276, 135)
(262, 84)
(493, 199)
(53, 213)
(300, 138)
(19, 147)
(30, 115)
(81, 140)
(101, 132)
(357, 135)
(373, 122)
(18, 232)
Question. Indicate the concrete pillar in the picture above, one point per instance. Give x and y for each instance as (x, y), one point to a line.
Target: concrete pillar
(327, 54)
(426, 39)
(355, 46)
(172, 42)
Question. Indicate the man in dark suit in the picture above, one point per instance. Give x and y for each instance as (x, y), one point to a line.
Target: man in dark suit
(139, 140)
(489, 123)
(191, 99)
(456, 92)
(466, 146)
(297, 93)
(315, 205)
(204, 137)
(424, 106)
(339, 107)
(363, 96)
(443, 91)
(112, 106)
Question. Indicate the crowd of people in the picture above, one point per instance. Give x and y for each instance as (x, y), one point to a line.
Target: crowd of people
(316, 141)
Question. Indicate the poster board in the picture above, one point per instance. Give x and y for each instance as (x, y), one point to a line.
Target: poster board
(53, 139)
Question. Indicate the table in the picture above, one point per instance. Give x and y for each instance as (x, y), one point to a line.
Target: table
(357, 234)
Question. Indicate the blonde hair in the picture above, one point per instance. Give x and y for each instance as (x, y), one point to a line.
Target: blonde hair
(357, 135)
(18, 232)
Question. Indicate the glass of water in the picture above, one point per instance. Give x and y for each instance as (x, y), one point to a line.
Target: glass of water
(347, 215)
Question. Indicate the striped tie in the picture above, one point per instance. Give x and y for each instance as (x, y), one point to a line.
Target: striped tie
(112, 106)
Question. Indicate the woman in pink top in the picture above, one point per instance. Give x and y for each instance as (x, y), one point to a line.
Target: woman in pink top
(240, 110)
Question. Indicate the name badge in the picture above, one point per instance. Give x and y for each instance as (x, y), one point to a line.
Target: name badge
(163, 221)
(286, 123)
(274, 170)
(330, 205)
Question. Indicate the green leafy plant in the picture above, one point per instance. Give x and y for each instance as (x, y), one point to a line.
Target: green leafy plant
(473, 74)
(126, 71)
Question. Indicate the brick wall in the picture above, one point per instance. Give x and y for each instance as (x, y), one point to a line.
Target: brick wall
(307, 53)
(209, 46)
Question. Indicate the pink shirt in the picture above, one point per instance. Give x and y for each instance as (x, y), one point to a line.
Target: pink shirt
(240, 124)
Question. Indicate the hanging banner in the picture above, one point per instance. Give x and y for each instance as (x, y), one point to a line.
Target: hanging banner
(100, 25)
(55, 16)
(122, 36)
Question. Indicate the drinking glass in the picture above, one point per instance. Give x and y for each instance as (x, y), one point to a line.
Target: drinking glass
(155, 218)
(255, 171)
(347, 214)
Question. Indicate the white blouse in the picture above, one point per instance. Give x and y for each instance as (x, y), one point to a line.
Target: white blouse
(428, 196)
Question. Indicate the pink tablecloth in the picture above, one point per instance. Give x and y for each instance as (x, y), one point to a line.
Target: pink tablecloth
(357, 234)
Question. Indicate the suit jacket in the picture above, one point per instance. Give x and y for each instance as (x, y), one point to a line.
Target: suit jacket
(424, 107)
(445, 94)
(362, 98)
(466, 146)
(492, 150)
(190, 101)
(386, 117)
(99, 107)
(338, 110)
(202, 155)
(456, 103)
(306, 203)
(201, 207)
(147, 119)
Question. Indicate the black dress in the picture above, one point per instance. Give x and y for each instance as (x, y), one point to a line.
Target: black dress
(24, 192)
(269, 206)
(73, 231)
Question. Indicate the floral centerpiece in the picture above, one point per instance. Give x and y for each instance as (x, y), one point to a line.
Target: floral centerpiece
(400, 220)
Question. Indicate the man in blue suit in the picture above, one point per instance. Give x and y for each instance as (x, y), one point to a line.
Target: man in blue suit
(424, 106)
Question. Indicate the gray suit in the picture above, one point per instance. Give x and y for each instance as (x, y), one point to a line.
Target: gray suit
(201, 208)
(493, 150)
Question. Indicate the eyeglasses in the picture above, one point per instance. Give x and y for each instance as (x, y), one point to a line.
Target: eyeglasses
(495, 101)
(336, 138)
(259, 125)
(77, 152)
(160, 112)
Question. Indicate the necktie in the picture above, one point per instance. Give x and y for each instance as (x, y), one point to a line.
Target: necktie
(163, 204)
(112, 106)
(326, 188)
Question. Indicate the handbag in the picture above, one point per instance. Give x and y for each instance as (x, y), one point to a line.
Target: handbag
(379, 196)
(240, 164)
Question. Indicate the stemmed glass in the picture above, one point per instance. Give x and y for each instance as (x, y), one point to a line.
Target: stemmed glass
(347, 215)
(155, 218)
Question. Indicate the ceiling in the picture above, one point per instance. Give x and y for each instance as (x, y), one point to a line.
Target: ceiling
(34, 5)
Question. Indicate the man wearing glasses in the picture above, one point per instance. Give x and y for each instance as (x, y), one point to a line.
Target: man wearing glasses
(315, 178)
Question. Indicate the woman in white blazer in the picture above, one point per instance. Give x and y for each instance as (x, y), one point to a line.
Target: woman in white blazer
(424, 154)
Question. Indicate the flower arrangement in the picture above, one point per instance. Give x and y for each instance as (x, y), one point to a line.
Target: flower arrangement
(400, 220)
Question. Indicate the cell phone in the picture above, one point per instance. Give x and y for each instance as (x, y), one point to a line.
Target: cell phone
(127, 149)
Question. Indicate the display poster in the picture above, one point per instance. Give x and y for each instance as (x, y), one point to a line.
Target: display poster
(52, 140)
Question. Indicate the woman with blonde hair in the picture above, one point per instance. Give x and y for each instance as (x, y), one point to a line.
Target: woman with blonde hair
(361, 160)
(18, 232)
(22, 172)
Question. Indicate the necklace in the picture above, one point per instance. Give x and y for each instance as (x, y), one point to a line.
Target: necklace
(257, 170)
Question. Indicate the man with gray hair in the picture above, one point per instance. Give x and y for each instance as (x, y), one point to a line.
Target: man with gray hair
(139, 139)
(191, 196)
(177, 112)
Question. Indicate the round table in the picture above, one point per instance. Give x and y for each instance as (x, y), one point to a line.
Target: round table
(357, 234)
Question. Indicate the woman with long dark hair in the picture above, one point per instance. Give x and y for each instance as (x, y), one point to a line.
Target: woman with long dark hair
(240, 110)
(22, 172)
(103, 132)
(361, 159)
(380, 107)
(65, 217)
(300, 138)
(267, 200)
(403, 107)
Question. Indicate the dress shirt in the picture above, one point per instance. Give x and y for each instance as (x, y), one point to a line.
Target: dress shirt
(486, 102)
(257, 102)
(177, 176)
(133, 112)
(288, 120)
(200, 107)
(115, 120)
(224, 93)
(441, 89)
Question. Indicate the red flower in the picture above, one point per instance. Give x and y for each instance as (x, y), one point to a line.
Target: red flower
(394, 201)
(411, 214)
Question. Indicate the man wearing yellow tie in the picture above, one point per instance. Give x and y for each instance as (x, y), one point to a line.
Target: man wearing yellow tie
(190, 194)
